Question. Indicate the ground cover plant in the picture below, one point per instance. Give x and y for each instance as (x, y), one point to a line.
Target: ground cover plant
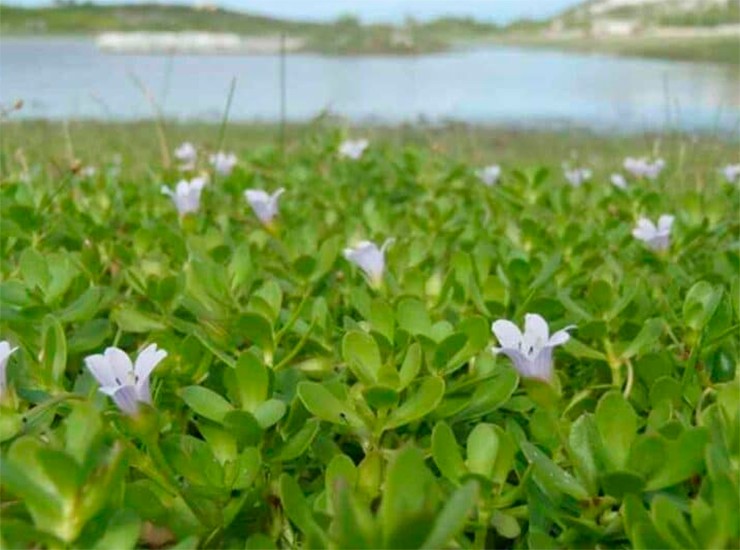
(320, 346)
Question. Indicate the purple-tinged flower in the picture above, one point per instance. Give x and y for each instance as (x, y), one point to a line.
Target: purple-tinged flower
(656, 237)
(187, 155)
(126, 383)
(264, 205)
(5, 352)
(577, 176)
(223, 163)
(186, 195)
(531, 351)
(644, 168)
(731, 172)
(489, 175)
(370, 259)
(353, 149)
(618, 180)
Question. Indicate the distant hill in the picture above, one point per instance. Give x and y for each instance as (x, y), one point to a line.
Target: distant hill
(90, 19)
(345, 35)
(694, 13)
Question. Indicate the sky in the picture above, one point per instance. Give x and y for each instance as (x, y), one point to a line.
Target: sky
(500, 11)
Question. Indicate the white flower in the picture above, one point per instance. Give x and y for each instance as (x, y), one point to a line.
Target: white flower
(577, 176)
(265, 206)
(187, 155)
(489, 175)
(223, 163)
(126, 383)
(731, 172)
(530, 352)
(353, 149)
(5, 352)
(618, 181)
(371, 259)
(657, 238)
(186, 195)
(643, 168)
(88, 172)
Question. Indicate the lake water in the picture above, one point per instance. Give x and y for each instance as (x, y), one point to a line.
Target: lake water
(70, 78)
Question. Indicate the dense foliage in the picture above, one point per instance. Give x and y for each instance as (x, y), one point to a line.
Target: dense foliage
(302, 404)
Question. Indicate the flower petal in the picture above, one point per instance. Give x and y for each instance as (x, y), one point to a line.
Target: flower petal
(541, 366)
(120, 365)
(560, 337)
(645, 229)
(5, 351)
(101, 370)
(535, 328)
(125, 398)
(507, 333)
(149, 358)
(521, 363)
(665, 222)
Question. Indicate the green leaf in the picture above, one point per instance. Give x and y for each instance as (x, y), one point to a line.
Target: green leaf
(269, 413)
(507, 526)
(578, 349)
(206, 403)
(256, 328)
(446, 453)
(259, 541)
(448, 348)
(341, 466)
(252, 381)
(297, 443)
(504, 456)
(686, 459)
(405, 510)
(453, 517)
(620, 482)
(638, 525)
(54, 354)
(324, 405)
(411, 366)
(247, 468)
(412, 317)
(617, 424)
(381, 397)
(647, 337)
(298, 511)
(34, 269)
(552, 473)
(422, 401)
(83, 308)
(82, 427)
(700, 304)
(272, 295)
(490, 394)
(665, 388)
(482, 449)
(131, 320)
(587, 451)
(670, 523)
(382, 319)
(353, 526)
(11, 424)
(361, 353)
(122, 532)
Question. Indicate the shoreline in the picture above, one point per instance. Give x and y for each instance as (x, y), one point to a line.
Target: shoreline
(720, 50)
(92, 141)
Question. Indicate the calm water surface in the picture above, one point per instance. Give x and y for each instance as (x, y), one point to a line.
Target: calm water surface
(61, 78)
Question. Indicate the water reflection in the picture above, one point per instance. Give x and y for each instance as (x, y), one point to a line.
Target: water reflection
(71, 78)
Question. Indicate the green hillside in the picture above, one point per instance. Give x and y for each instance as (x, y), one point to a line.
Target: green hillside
(89, 18)
(345, 35)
